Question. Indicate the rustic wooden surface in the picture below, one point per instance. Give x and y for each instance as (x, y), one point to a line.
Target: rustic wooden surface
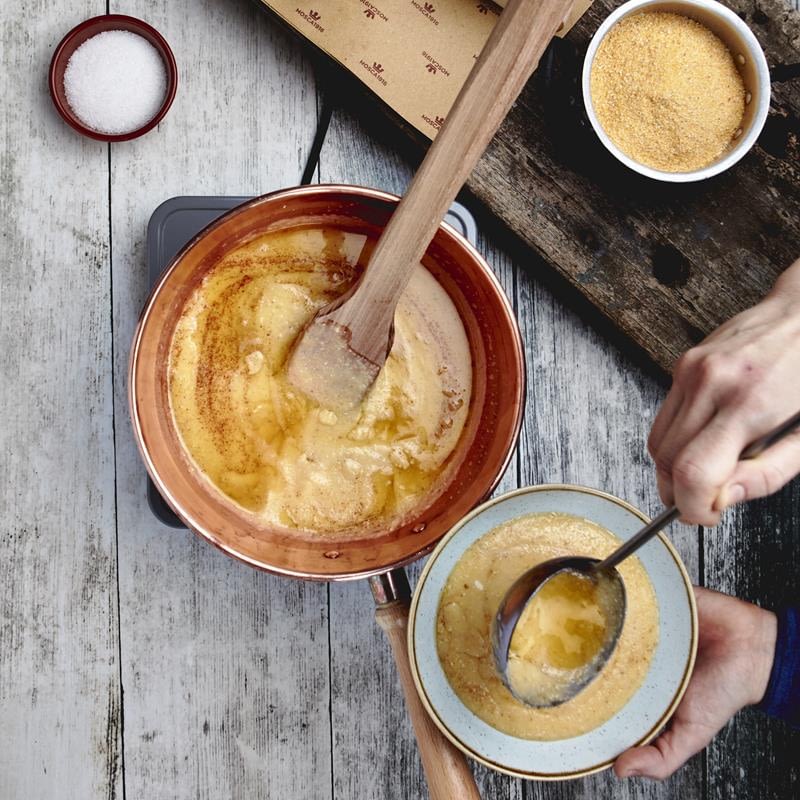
(225, 670)
(60, 694)
(137, 662)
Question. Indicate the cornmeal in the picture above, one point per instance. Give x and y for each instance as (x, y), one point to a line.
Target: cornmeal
(666, 91)
(272, 450)
(473, 593)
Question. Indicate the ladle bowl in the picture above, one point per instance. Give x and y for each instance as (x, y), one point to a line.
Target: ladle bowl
(522, 593)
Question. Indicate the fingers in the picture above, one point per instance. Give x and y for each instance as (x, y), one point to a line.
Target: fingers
(705, 465)
(701, 385)
(665, 488)
(711, 413)
(666, 754)
(670, 408)
(689, 420)
(764, 475)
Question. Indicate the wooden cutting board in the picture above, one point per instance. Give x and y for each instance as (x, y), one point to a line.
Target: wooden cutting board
(665, 263)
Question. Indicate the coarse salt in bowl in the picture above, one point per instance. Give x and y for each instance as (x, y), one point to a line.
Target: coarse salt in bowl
(115, 82)
(113, 78)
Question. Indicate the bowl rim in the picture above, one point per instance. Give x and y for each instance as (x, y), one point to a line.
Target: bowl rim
(440, 547)
(170, 64)
(356, 192)
(741, 148)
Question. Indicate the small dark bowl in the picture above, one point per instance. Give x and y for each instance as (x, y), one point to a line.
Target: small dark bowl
(76, 37)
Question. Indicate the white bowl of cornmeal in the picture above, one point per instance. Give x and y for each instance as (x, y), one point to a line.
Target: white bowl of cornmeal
(678, 90)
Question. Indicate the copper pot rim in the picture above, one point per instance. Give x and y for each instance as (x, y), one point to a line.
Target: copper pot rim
(355, 192)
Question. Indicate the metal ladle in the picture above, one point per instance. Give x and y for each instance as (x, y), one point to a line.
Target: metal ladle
(527, 585)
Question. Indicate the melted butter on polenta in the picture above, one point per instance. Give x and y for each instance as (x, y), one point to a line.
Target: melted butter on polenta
(272, 450)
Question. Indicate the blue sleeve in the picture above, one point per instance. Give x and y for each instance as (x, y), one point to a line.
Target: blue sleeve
(782, 698)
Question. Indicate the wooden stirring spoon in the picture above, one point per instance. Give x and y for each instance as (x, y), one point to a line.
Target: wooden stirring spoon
(340, 353)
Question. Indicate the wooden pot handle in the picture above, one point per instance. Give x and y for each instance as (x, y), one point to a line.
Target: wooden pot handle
(446, 770)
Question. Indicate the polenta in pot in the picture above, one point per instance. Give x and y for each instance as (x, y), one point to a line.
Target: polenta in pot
(271, 450)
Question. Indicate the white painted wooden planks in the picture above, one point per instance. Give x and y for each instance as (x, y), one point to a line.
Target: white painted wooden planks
(59, 676)
(225, 670)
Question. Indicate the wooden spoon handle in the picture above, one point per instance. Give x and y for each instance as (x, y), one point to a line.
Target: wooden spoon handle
(509, 57)
(446, 770)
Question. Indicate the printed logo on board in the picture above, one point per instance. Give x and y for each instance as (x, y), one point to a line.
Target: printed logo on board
(435, 122)
(375, 69)
(312, 18)
(427, 10)
(372, 11)
(433, 66)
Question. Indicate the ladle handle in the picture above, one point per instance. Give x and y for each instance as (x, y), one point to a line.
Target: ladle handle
(636, 541)
(446, 770)
(754, 449)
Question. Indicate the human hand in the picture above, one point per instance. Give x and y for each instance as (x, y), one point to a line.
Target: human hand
(734, 659)
(735, 386)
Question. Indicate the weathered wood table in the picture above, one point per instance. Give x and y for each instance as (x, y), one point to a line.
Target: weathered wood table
(137, 662)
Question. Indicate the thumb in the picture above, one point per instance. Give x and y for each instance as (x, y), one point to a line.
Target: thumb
(763, 475)
(670, 751)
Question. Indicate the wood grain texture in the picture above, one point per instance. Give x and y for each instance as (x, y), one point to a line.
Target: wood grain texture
(225, 670)
(447, 771)
(505, 64)
(666, 263)
(59, 673)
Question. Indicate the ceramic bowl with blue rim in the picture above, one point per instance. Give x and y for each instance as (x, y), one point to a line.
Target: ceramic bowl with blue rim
(645, 714)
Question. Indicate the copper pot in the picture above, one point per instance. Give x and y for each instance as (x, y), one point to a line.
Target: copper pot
(483, 452)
